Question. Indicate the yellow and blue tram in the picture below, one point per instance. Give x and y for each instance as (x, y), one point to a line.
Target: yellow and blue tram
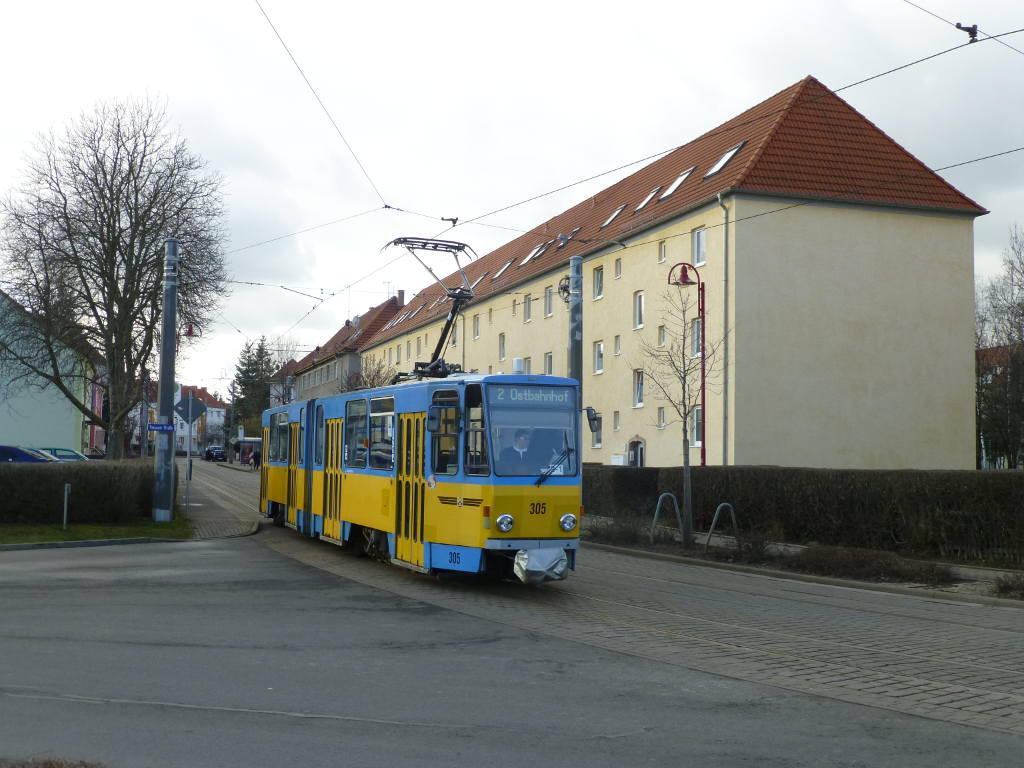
(471, 473)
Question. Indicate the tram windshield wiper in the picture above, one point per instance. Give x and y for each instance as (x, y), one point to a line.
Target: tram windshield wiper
(566, 453)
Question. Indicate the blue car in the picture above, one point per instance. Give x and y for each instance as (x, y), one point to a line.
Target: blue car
(17, 453)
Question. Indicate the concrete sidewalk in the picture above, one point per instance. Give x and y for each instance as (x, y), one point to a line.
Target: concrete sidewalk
(214, 512)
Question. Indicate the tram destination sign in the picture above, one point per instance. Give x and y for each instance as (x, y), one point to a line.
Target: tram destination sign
(513, 394)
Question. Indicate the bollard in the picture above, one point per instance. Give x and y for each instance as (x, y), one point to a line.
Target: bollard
(67, 493)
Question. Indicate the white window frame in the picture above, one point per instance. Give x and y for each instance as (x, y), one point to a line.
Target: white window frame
(617, 345)
(699, 246)
(527, 308)
(695, 337)
(549, 363)
(549, 301)
(527, 365)
(662, 252)
(501, 346)
(661, 335)
(618, 268)
(638, 310)
(597, 283)
(695, 419)
(729, 154)
(661, 417)
(616, 421)
(598, 353)
(646, 200)
(498, 273)
(476, 326)
(638, 388)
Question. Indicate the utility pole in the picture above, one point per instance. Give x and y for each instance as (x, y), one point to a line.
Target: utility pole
(576, 321)
(163, 481)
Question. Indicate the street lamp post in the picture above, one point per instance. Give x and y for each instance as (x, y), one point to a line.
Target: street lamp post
(683, 278)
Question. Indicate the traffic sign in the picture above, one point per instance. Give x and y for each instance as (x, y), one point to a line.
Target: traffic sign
(160, 427)
(182, 409)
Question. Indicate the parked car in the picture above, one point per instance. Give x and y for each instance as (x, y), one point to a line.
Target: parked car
(215, 453)
(65, 454)
(19, 453)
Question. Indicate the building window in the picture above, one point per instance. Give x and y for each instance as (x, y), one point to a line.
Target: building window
(549, 363)
(476, 326)
(398, 353)
(699, 238)
(419, 346)
(408, 350)
(662, 251)
(598, 282)
(661, 418)
(661, 335)
(696, 426)
(638, 309)
(527, 365)
(595, 438)
(724, 159)
(611, 218)
(695, 333)
(638, 388)
(598, 357)
(675, 184)
(490, 316)
(618, 268)
(646, 200)
(390, 355)
(501, 346)
(616, 422)
(527, 308)
(455, 333)
(618, 345)
(515, 306)
(549, 301)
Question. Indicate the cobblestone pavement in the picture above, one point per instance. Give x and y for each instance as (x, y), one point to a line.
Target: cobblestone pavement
(959, 662)
(223, 500)
(952, 661)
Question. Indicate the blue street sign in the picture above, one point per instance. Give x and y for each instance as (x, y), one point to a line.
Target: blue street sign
(160, 427)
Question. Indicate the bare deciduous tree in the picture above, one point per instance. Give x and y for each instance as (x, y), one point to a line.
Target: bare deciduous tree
(373, 372)
(82, 253)
(672, 367)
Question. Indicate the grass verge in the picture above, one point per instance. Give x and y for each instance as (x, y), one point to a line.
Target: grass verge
(1010, 586)
(17, 533)
(47, 763)
(867, 565)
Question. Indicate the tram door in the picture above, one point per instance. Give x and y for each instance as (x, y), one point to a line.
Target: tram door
(295, 490)
(410, 488)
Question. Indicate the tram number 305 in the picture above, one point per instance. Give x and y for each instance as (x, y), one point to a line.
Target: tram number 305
(538, 507)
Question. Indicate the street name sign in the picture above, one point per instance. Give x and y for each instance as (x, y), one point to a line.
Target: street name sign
(160, 427)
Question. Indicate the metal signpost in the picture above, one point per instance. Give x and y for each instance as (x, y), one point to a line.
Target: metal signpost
(163, 480)
(189, 410)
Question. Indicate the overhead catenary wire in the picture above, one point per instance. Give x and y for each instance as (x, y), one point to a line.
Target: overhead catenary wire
(321, 103)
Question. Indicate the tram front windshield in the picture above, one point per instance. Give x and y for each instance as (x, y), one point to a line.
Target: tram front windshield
(533, 430)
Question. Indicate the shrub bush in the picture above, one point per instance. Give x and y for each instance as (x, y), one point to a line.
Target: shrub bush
(102, 492)
(963, 515)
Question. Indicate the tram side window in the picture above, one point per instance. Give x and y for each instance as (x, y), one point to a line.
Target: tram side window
(279, 437)
(476, 433)
(444, 457)
(302, 435)
(356, 438)
(382, 433)
(319, 436)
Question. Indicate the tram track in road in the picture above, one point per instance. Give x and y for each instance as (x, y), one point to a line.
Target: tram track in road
(956, 662)
(872, 654)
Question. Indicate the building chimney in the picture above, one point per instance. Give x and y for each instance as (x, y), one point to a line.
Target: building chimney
(401, 298)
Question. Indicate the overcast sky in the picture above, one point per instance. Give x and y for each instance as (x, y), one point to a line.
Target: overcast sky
(457, 109)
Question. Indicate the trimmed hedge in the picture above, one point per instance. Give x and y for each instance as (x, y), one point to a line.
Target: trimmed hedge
(968, 515)
(102, 492)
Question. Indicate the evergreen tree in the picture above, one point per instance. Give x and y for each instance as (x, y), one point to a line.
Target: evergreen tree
(252, 383)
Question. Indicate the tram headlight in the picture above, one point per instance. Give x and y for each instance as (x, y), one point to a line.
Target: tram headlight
(567, 521)
(504, 523)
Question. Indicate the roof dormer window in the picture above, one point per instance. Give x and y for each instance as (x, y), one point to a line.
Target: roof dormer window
(563, 239)
(646, 200)
(724, 159)
(611, 218)
(498, 273)
(675, 184)
(477, 281)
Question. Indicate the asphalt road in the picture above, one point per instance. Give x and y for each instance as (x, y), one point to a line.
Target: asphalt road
(272, 650)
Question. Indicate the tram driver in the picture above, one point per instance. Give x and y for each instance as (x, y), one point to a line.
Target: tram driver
(525, 456)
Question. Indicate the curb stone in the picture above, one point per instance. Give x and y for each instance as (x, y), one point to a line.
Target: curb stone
(931, 594)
